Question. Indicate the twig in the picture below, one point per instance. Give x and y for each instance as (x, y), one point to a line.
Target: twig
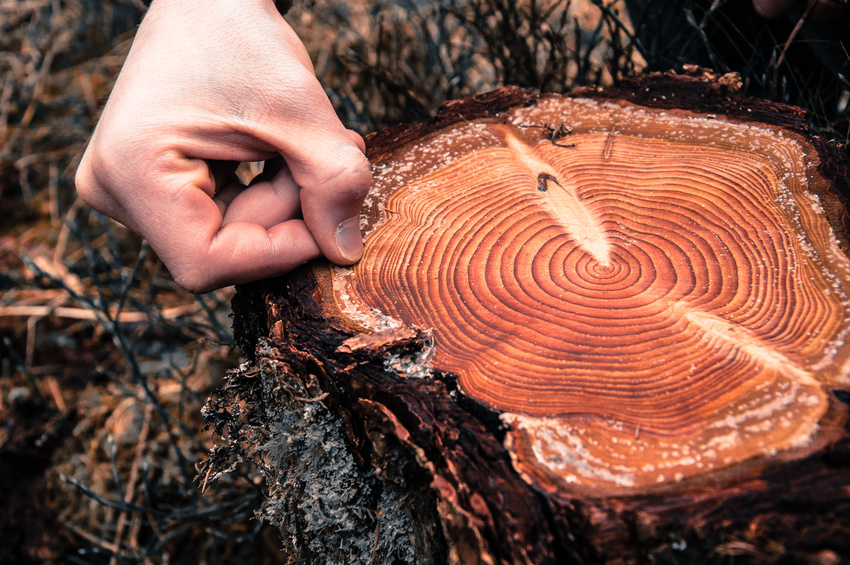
(314, 399)
(75, 313)
(59, 270)
(54, 200)
(796, 30)
(206, 477)
(18, 5)
(5, 105)
(22, 367)
(65, 231)
(130, 493)
(31, 330)
(125, 506)
(633, 41)
(375, 547)
(91, 538)
(61, 43)
(128, 283)
(56, 393)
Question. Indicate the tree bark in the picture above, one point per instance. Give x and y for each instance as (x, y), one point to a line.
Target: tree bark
(456, 398)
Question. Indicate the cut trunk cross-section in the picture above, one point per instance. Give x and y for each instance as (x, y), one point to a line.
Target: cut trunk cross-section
(658, 298)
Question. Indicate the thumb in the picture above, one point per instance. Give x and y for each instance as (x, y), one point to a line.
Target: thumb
(334, 176)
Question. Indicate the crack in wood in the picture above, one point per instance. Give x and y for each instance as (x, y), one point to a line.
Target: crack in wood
(609, 146)
(743, 341)
(544, 178)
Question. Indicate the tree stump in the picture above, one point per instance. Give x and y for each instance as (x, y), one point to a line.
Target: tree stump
(608, 327)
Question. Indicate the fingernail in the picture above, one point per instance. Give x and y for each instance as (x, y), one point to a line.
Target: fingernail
(349, 240)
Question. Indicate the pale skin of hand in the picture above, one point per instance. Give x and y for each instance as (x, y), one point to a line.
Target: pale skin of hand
(206, 85)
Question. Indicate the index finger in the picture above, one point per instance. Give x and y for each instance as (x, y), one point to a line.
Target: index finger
(186, 231)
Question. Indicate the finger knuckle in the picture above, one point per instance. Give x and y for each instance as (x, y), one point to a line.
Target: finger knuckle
(304, 81)
(192, 280)
(87, 184)
(350, 177)
(83, 181)
(358, 176)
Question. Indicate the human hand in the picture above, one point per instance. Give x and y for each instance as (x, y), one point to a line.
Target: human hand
(206, 85)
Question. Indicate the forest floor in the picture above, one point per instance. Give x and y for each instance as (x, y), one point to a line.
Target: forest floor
(105, 363)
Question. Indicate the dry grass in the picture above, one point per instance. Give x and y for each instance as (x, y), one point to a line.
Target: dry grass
(106, 363)
(392, 61)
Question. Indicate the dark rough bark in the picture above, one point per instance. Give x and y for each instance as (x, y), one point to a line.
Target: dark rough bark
(364, 466)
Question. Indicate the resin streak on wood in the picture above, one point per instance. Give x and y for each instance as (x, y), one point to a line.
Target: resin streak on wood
(561, 200)
(667, 275)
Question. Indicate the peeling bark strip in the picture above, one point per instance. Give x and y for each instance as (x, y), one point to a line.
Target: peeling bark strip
(585, 341)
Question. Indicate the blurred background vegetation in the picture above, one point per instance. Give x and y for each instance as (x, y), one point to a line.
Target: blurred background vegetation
(105, 363)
